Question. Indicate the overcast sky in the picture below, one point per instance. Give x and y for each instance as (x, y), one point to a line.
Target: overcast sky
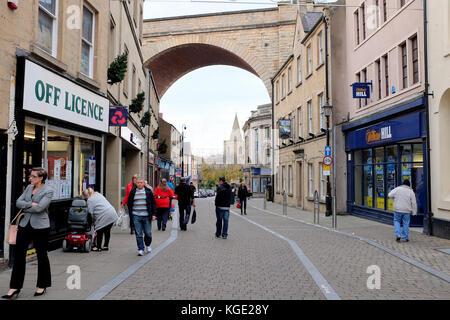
(207, 99)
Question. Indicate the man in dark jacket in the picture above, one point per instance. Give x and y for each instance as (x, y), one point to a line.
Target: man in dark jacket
(222, 202)
(142, 209)
(185, 196)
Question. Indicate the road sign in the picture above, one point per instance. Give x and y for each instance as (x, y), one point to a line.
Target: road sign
(326, 170)
(327, 160)
(328, 151)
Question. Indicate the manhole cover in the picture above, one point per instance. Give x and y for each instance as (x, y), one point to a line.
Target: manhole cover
(447, 251)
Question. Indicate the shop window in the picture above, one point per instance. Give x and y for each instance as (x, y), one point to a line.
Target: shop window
(368, 178)
(59, 164)
(263, 185)
(391, 173)
(357, 183)
(255, 184)
(310, 180)
(379, 179)
(85, 174)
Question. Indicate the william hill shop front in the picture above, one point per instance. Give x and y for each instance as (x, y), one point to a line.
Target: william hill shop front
(61, 127)
(382, 151)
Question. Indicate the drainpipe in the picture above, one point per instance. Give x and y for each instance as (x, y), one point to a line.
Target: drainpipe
(427, 111)
(273, 145)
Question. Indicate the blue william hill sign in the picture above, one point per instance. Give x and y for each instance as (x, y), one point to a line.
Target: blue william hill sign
(361, 90)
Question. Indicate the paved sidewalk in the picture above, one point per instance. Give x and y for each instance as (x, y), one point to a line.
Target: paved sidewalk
(420, 247)
(97, 268)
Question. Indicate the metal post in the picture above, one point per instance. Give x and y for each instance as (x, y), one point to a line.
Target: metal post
(265, 201)
(316, 207)
(284, 203)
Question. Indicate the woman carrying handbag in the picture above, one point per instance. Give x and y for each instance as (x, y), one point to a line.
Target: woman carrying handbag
(34, 226)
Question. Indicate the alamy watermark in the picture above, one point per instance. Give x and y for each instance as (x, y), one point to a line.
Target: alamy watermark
(374, 280)
(74, 280)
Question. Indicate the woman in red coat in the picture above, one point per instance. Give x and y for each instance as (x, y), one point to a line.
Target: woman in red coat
(163, 194)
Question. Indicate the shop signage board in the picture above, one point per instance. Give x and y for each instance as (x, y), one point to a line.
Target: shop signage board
(118, 116)
(131, 137)
(285, 128)
(52, 95)
(361, 90)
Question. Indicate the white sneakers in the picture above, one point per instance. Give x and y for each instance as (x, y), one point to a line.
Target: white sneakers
(141, 252)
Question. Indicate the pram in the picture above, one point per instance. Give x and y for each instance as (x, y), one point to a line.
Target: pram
(79, 221)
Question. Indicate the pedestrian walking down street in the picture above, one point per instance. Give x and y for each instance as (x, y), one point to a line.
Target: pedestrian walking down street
(103, 216)
(405, 204)
(34, 226)
(163, 196)
(185, 196)
(222, 202)
(142, 206)
(243, 195)
(125, 200)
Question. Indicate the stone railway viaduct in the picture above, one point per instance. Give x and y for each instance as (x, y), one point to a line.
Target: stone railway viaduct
(258, 41)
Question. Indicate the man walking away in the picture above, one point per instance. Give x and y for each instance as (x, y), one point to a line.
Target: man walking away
(404, 205)
(242, 195)
(185, 197)
(141, 203)
(222, 202)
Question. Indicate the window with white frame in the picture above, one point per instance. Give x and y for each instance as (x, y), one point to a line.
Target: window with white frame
(283, 178)
(47, 37)
(310, 180)
(291, 180)
(278, 179)
(277, 91)
(322, 114)
(87, 42)
(283, 86)
(320, 47)
(299, 69)
(310, 117)
(322, 183)
(289, 79)
(299, 122)
(309, 57)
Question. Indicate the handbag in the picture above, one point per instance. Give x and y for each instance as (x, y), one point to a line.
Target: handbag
(12, 230)
(238, 206)
(194, 217)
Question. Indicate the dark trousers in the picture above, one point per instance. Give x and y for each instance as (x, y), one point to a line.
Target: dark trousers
(183, 210)
(162, 215)
(40, 241)
(104, 231)
(243, 203)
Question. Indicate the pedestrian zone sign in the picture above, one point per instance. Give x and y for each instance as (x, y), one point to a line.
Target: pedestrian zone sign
(326, 170)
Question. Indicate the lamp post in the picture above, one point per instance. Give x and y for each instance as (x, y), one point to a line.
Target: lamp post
(182, 149)
(327, 111)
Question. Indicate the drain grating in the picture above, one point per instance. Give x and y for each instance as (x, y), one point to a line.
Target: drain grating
(447, 251)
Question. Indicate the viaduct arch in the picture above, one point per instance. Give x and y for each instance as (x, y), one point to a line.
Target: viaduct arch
(258, 41)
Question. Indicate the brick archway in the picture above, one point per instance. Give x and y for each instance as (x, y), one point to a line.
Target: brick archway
(258, 41)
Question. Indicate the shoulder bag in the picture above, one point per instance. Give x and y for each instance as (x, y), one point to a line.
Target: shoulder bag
(13, 227)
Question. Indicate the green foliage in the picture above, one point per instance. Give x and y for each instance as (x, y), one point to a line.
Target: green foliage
(145, 120)
(211, 174)
(137, 104)
(117, 69)
(155, 134)
(162, 148)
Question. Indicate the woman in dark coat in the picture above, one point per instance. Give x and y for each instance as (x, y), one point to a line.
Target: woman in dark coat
(243, 195)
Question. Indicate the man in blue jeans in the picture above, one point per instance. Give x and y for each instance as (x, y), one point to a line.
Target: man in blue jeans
(142, 206)
(222, 202)
(404, 205)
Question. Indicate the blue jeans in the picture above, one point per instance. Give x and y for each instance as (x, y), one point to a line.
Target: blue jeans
(222, 217)
(162, 215)
(401, 218)
(183, 210)
(142, 225)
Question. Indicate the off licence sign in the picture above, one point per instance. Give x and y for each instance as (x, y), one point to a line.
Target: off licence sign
(327, 160)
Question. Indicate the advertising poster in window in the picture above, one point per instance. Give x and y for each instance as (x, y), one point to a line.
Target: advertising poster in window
(91, 171)
(391, 180)
(380, 185)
